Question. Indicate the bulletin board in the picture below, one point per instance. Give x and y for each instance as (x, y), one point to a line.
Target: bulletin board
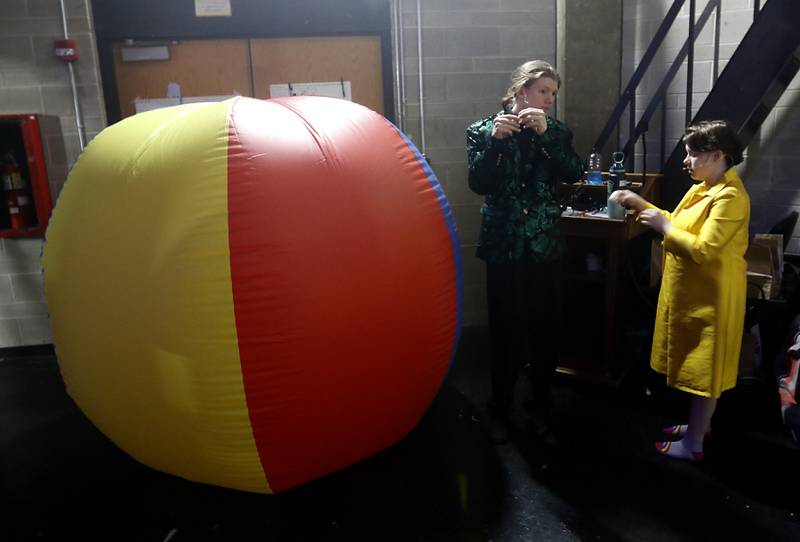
(320, 59)
(227, 67)
(363, 26)
(200, 67)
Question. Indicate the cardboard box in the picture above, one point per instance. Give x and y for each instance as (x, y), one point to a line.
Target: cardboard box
(774, 242)
(765, 266)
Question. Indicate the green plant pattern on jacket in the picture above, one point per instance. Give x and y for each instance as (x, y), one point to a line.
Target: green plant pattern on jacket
(520, 213)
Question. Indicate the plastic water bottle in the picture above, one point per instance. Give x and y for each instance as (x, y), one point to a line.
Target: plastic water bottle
(594, 168)
(616, 174)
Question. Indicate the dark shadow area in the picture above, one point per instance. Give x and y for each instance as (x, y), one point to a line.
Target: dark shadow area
(597, 478)
(61, 478)
(605, 466)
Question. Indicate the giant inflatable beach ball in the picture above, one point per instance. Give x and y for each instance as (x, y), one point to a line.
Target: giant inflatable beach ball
(252, 293)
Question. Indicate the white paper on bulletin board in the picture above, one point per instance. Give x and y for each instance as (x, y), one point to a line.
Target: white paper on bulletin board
(212, 8)
(332, 89)
(149, 104)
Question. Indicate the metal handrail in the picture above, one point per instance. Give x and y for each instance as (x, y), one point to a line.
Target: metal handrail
(630, 91)
(420, 72)
(627, 99)
(658, 96)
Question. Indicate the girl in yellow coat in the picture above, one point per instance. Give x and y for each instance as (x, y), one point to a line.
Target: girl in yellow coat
(701, 305)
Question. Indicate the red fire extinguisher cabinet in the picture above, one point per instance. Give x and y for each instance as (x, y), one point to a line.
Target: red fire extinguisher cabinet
(30, 139)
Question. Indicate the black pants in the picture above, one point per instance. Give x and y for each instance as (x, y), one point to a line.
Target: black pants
(524, 322)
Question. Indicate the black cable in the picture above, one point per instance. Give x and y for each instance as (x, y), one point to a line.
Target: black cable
(637, 287)
(644, 154)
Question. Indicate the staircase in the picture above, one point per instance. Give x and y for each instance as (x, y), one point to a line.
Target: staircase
(757, 74)
(748, 88)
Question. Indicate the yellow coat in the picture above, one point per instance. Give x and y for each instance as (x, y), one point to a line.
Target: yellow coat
(701, 305)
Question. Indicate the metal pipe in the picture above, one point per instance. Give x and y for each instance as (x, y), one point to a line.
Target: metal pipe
(630, 152)
(64, 19)
(717, 31)
(644, 157)
(395, 57)
(250, 80)
(421, 90)
(73, 85)
(690, 64)
(561, 60)
(402, 64)
(397, 30)
(663, 145)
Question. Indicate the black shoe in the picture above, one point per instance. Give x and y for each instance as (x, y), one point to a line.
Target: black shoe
(541, 428)
(532, 406)
(538, 426)
(498, 430)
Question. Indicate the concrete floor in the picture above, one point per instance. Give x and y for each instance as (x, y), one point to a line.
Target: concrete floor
(444, 482)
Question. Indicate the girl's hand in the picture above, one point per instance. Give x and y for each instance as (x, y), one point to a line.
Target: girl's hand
(629, 200)
(654, 220)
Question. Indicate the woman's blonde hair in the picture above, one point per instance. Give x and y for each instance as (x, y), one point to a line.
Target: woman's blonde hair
(524, 76)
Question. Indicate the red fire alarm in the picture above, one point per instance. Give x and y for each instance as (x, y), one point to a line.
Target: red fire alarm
(66, 50)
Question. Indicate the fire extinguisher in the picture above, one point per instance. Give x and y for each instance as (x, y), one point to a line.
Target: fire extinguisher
(17, 198)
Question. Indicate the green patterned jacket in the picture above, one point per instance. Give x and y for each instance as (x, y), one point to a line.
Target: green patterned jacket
(521, 211)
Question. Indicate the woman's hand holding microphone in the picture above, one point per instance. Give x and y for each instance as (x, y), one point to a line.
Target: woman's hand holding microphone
(505, 125)
(533, 118)
(508, 124)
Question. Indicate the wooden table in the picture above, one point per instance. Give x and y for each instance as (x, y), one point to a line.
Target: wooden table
(615, 235)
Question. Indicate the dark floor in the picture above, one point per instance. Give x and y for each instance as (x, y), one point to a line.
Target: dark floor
(603, 481)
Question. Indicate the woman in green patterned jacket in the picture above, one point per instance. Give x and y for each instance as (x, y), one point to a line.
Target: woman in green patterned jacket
(516, 159)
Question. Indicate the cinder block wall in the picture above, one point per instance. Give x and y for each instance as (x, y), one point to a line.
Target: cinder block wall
(32, 80)
(770, 169)
(469, 48)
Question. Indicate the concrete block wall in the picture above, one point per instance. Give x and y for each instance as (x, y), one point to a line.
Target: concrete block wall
(32, 80)
(469, 48)
(23, 311)
(589, 63)
(769, 171)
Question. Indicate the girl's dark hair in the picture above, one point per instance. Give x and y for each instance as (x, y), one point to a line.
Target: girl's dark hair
(715, 135)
